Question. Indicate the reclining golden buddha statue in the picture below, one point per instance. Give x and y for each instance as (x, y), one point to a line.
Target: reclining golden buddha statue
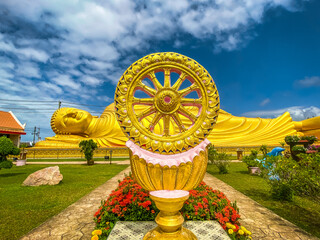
(74, 125)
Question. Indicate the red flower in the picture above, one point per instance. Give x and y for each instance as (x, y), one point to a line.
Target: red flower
(146, 204)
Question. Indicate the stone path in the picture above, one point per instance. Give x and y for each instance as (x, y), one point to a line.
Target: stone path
(263, 223)
(76, 221)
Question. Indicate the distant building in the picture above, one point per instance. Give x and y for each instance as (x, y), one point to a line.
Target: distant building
(11, 127)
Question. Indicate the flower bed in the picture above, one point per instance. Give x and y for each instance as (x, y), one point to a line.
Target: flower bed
(130, 202)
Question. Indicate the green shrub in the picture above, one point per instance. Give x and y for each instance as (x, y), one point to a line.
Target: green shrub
(303, 177)
(87, 147)
(251, 159)
(299, 149)
(310, 139)
(7, 148)
(281, 191)
(315, 148)
(264, 150)
(292, 139)
(221, 160)
(212, 153)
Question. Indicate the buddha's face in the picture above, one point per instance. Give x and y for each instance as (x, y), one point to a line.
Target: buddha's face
(72, 120)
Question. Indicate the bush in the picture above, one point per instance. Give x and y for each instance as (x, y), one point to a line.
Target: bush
(264, 150)
(7, 148)
(221, 160)
(130, 202)
(310, 139)
(281, 191)
(315, 148)
(299, 149)
(251, 159)
(292, 139)
(87, 147)
(288, 177)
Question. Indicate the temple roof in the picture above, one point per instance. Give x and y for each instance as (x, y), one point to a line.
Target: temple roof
(9, 124)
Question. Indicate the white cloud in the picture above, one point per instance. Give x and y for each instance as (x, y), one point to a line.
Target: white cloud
(265, 102)
(92, 81)
(26, 53)
(50, 87)
(28, 70)
(308, 82)
(6, 63)
(297, 113)
(66, 81)
(5, 74)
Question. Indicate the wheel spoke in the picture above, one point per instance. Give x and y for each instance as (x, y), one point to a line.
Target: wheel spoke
(167, 79)
(148, 90)
(143, 101)
(154, 79)
(146, 113)
(178, 121)
(191, 101)
(187, 114)
(154, 121)
(188, 90)
(166, 125)
(180, 80)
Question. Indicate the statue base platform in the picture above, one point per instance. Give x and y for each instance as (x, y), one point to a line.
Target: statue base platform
(133, 230)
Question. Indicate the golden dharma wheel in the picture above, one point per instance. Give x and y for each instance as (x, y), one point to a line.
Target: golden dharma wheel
(169, 84)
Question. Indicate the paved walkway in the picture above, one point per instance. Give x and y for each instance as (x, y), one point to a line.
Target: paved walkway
(263, 223)
(76, 221)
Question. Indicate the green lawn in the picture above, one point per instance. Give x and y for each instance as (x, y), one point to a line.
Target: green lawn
(303, 211)
(75, 159)
(24, 208)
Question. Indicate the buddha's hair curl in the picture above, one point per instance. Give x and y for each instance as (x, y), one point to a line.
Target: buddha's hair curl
(53, 123)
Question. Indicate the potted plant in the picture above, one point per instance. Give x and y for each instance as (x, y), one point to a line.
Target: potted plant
(252, 163)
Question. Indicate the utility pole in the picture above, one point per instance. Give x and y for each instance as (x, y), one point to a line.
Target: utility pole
(34, 134)
(59, 104)
(38, 134)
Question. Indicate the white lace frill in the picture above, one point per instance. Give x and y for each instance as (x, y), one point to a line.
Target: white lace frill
(167, 160)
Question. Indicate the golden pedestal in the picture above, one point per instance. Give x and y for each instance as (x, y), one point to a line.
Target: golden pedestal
(169, 219)
(164, 161)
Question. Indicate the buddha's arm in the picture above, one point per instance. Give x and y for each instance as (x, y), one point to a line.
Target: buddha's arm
(60, 141)
(309, 126)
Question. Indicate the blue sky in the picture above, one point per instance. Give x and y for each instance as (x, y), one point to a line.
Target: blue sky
(263, 55)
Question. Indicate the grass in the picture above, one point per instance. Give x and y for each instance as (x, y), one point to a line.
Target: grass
(75, 159)
(303, 211)
(24, 208)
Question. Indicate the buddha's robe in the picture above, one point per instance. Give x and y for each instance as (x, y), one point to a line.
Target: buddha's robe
(229, 131)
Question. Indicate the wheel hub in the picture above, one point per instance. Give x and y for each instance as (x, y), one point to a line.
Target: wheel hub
(167, 101)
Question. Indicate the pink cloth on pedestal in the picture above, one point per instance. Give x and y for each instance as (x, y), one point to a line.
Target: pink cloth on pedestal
(169, 193)
(167, 160)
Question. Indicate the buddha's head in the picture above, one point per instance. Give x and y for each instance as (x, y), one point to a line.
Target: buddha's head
(70, 121)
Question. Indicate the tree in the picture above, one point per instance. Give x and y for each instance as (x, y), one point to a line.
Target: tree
(87, 147)
(7, 148)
